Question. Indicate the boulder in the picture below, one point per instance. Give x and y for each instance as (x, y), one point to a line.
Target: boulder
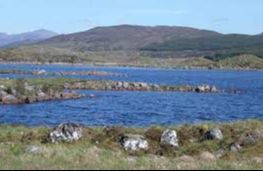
(200, 89)
(2, 93)
(40, 72)
(214, 89)
(126, 85)
(28, 87)
(214, 134)
(119, 85)
(169, 137)
(134, 143)
(41, 96)
(235, 147)
(68, 95)
(206, 89)
(2, 87)
(9, 99)
(67, 132)
(249, 138)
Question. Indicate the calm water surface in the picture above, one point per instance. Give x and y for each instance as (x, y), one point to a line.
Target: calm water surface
(145, 108)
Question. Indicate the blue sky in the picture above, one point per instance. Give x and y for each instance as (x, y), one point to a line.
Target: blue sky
(67, 16)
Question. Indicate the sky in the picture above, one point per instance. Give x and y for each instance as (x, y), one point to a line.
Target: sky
(68, 16)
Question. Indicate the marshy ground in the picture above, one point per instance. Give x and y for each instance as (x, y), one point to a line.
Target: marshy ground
(26, 148)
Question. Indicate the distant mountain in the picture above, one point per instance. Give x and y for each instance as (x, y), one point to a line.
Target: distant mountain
(124, 37)
(138, 45)
(25, 38)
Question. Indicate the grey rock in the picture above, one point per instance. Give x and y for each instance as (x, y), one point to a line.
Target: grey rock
(40, 72)
(214, 89)
(213, 134)
(235, 147)
(29, 88)
(2, 93)
(250, 138)
(68, 132)
(132, 142)
(125, 85)
(169, 137)
(9, 99)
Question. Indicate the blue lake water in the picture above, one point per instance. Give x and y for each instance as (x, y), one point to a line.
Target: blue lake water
(145, 108)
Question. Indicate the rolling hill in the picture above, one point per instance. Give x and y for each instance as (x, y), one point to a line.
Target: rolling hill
(124, 37)
(144, 46)
(25, 38)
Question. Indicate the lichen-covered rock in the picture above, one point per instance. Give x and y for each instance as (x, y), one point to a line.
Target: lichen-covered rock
(134, 142)
(249, 138)
(235, 147)
(214, 134)
(246, 139)
(68, 132)
(169, 137)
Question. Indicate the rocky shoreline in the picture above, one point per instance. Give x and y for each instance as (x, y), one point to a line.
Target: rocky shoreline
(72, 73)
(136, 86)
(135, 66)
(22, 93)
(19, 91)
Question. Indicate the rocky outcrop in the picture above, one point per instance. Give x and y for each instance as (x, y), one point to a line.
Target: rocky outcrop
(169, 137)
(10, 99)
(25, 94)
(90, 73)
(40, 72)
(68, 132)
(246, 139)
(80, 73)
(134, 143)
(136, 86)
(214, 134)
(206, 89)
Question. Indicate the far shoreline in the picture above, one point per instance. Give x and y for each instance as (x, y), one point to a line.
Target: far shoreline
(114, 65)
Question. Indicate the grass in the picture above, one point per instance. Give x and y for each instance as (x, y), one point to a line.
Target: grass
(46, 54)
(99, 149)
(56, 83)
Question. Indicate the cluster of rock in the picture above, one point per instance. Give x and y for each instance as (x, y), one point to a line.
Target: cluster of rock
(30, 94)
(90, 73)
(80, 73)
(136, 86)
(70, 132)
(247, 139)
